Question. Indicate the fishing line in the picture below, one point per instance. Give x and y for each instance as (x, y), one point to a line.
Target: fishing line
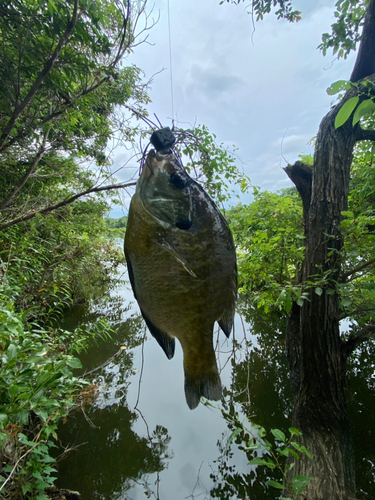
(170, 62)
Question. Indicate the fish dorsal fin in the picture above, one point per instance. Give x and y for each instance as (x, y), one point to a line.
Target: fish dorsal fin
(166, 342)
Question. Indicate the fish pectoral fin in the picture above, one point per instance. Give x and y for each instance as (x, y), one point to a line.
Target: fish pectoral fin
(177, 256)
(131, 274)
(166, 342)
(226, 320)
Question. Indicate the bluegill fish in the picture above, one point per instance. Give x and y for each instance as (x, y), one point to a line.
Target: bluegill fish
(182, 267)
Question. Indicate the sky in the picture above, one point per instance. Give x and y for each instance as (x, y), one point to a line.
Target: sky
(262, 91)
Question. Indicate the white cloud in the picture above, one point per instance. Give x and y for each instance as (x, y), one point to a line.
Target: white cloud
(247, 92)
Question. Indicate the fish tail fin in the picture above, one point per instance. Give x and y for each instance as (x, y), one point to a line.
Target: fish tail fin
(206, 384)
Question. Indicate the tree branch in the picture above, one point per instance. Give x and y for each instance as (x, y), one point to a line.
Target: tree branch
(365, 61)
(42, 75)
(301, 175)
(357, 269)
(50, 208)
(365, 134)
(356, 340)
(29, 171)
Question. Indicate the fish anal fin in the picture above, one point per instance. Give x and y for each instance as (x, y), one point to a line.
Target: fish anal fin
(207, 385)
(166, 342)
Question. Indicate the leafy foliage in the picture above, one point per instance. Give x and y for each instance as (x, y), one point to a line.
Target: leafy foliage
(54, 261)
(357, 288)
(212, 164)
(346, 31)
(362, 103)
(37, 389)
(61, 89)
(269, 237)
(276, 453)
(260, 8)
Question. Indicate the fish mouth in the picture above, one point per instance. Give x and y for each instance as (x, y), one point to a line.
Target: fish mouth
(165, 154)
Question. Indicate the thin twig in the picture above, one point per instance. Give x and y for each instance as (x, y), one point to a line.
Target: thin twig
(18, 461)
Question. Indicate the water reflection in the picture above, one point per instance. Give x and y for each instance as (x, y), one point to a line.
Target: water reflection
(169, 452)
(361, 403)
(104, 457)
(259, 391)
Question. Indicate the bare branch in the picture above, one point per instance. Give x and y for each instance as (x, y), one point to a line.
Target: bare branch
(42, 75)
(355, 312)
(356, 340)
(360, 267)
(365, 135)
(301, 175)
(50, 208)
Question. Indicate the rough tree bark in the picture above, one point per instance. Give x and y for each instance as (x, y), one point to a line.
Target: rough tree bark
(316, 353)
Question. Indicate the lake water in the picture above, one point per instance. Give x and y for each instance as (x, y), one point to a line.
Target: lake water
(137, 438)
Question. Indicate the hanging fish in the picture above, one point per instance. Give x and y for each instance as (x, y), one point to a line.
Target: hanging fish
(182, 267)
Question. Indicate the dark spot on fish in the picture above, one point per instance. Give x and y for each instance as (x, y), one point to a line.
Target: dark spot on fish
(178, 180)
(184, 224)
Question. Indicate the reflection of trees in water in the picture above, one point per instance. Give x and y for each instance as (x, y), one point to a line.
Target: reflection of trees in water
(361, 406)
(111, 456)
(108, 456)
(260, 392)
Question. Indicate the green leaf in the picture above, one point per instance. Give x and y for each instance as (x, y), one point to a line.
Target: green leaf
(27, 488)
(275, 484)
(293, 452)
(253, 447)
(74, 362)
(3, 420)
(366, 108)
(299, 483)
(300, 448)
(234, 435)
(42, 496)
(22, 417)
(258, 461)
(318, 290)
(288, 305)
(279, 435)
(12, 351)
(346, 302)
(43, 378)
(294, 431)
(336, 87)
(345, 111)
(42, 414)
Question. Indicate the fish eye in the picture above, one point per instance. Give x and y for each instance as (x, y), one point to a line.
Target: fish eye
(178, 180)
(184, 224)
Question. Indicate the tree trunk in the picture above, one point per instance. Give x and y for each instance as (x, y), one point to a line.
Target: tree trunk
(314, 348)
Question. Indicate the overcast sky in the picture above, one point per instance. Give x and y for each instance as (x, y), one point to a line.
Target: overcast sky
(262, 91)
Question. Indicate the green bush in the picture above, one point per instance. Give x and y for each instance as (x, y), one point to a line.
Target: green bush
(37, 389)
